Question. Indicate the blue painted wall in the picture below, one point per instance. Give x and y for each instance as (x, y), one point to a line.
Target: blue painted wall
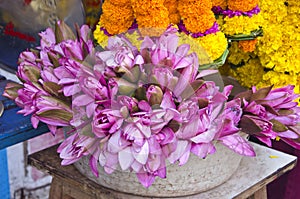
(4, 180)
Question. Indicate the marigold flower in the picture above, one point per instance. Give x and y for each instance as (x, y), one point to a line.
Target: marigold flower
(242, 5)
(196, 15)
(221, 3)
(116, 18)
(172, 5)
(152, 17)
(248, 45)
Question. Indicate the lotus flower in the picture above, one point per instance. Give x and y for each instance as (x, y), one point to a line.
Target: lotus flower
(274, 114)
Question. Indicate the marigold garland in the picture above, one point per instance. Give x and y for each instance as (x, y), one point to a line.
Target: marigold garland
(277, 53)
(153, 17)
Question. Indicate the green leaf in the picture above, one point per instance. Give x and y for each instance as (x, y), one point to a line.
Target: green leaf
(54, 59)
(87, 131)
(52, 88)
(56, 114)
(278, 126)
(249, 126)
(216, 63)
(58, 102)
(190, 90)
(125, 87)
(285, 112)
(261, 93)
(270, 109)
(245, 95)
(32, 72)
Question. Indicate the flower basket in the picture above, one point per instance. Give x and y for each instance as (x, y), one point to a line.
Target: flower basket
(195, 176)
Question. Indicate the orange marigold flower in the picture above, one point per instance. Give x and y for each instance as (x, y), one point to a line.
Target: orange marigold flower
(188, 7)
(116, 19)
(152, 16)
(120, 2)
(199, 23)
(174, 18)
(242, 5)
(153, 25)
(146, 7)
(248, 45)
(196, 15)
(172, 5)
(221, 3)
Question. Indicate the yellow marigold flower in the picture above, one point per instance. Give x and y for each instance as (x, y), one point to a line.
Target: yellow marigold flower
(249, 74)
(278, 51)
(237, 56)
(241, 24)
(221, 3)
(100, 37)
(214, 44)
(208, 48)
(248, 45)
(242, 5)
(279, 80)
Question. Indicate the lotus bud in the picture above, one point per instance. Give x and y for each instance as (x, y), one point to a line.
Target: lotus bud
(11, 90)
(140, 93)
(125, 87)
(129, 102)
(28, 73)
(133, 74)
(154, 95)
(63, 32)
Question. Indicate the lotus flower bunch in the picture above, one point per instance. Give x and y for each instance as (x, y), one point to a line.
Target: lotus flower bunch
(43, 94)
(141, 109)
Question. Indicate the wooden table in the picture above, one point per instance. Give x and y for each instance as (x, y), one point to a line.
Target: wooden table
(250, 180)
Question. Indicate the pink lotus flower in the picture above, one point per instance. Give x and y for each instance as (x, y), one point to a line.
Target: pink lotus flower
(77, 146)
(274, 113)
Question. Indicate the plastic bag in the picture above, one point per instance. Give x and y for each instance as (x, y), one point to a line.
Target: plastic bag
(22, 20)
